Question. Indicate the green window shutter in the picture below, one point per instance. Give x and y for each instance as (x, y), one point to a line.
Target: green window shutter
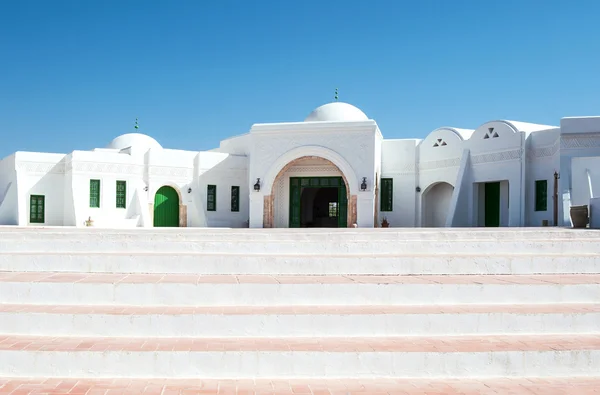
(37, 209)
(235, 199)
(211, 198)
(387, 194)
(541, 195)
(121, 194)
(95, 193)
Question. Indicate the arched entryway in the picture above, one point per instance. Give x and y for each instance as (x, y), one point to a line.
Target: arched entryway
(166, 207)
(436, 204)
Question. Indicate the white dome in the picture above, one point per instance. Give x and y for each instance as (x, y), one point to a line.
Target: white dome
(336, 112)
(136, 140)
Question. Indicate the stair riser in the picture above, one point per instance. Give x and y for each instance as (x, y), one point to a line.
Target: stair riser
(318, 325)
(252, 364)
(262, 235)
(298, 264)
(324, 247)
(292, 294)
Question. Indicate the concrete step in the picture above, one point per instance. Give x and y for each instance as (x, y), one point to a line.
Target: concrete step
(248, 290)
(305, 234)
(235, 262)
(308, 321)
(342, 386)
(397, 357)
(323, 246)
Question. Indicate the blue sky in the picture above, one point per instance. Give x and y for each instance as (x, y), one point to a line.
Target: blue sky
(75, 74)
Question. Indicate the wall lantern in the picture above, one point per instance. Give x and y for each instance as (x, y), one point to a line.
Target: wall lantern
(363, 185)
(418, 189)
(257, 185)
(146, 188)
(189, 190)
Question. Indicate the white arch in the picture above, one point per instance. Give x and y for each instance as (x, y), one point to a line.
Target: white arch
(311, 150)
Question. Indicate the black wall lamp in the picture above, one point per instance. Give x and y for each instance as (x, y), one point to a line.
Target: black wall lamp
(146, 188)
(257, 185)
(363, 185)
(418, 189)
(189, 190)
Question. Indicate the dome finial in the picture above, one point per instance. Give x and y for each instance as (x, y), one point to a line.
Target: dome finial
(136, 124)
(336, 94)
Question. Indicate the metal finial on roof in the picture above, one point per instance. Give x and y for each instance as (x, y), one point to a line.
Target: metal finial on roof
(136, 124)
(336, 94)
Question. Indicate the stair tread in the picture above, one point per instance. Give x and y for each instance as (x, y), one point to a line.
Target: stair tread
(373, 386)
(112, 278)
(443, 344)
(561, 308)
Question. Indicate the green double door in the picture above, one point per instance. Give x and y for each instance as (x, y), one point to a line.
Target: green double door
(166, 208)
(492, 204)
(298, 184)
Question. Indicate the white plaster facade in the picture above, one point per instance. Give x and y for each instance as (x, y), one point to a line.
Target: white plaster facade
(437, 181)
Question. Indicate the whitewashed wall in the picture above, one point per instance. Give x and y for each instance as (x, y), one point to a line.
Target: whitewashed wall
(399, 163)
(8, 192)
(224, 171)
(41, 174)
(543, 159)
(439, 157)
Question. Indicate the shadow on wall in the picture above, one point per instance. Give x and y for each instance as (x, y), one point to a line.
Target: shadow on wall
(8, 205)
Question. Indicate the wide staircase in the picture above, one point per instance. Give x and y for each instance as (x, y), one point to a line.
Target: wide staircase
(285, 311)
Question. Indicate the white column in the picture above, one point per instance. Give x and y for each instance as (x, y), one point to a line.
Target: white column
(257, 202)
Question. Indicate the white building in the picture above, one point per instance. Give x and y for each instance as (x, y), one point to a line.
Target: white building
(334, 169)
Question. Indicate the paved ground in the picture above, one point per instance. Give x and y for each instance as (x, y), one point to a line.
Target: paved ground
(555, 386)
(478, 343)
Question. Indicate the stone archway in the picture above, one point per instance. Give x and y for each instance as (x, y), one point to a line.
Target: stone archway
(436, 203)
(269, 207)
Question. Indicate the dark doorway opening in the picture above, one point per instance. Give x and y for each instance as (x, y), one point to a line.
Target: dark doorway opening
(320, 208)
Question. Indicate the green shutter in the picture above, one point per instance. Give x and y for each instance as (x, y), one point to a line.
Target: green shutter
(211, 198)
(235, 199)
(37, 209)
(387, 194)
(541, 195)
(121, 194)
(95, 193)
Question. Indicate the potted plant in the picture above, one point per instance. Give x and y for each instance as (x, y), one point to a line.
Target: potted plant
(385, 223)
(89, 222)
(579, 216)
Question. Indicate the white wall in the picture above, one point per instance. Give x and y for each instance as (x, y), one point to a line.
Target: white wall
(580, 192)
(8, 192)
(398, 161)
(543, 159)
(224, 171)
(41, 174)
(108, 166)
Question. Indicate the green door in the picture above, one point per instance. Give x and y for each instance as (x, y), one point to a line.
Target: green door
(166, 208)
(492, 204)
(298, 183)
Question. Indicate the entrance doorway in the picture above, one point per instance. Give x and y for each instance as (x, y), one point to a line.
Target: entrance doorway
(319, 202)
(166, 207)
(492, 204)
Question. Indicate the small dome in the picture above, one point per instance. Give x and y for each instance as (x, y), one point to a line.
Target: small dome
(137, 140)
(336, 112)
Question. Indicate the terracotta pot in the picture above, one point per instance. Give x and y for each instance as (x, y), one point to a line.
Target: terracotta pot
(385, 224)
(579, 216)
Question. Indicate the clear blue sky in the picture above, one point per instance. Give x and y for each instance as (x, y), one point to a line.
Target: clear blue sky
(75, 74)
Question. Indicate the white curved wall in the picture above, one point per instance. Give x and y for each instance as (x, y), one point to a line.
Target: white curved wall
(436, 203)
